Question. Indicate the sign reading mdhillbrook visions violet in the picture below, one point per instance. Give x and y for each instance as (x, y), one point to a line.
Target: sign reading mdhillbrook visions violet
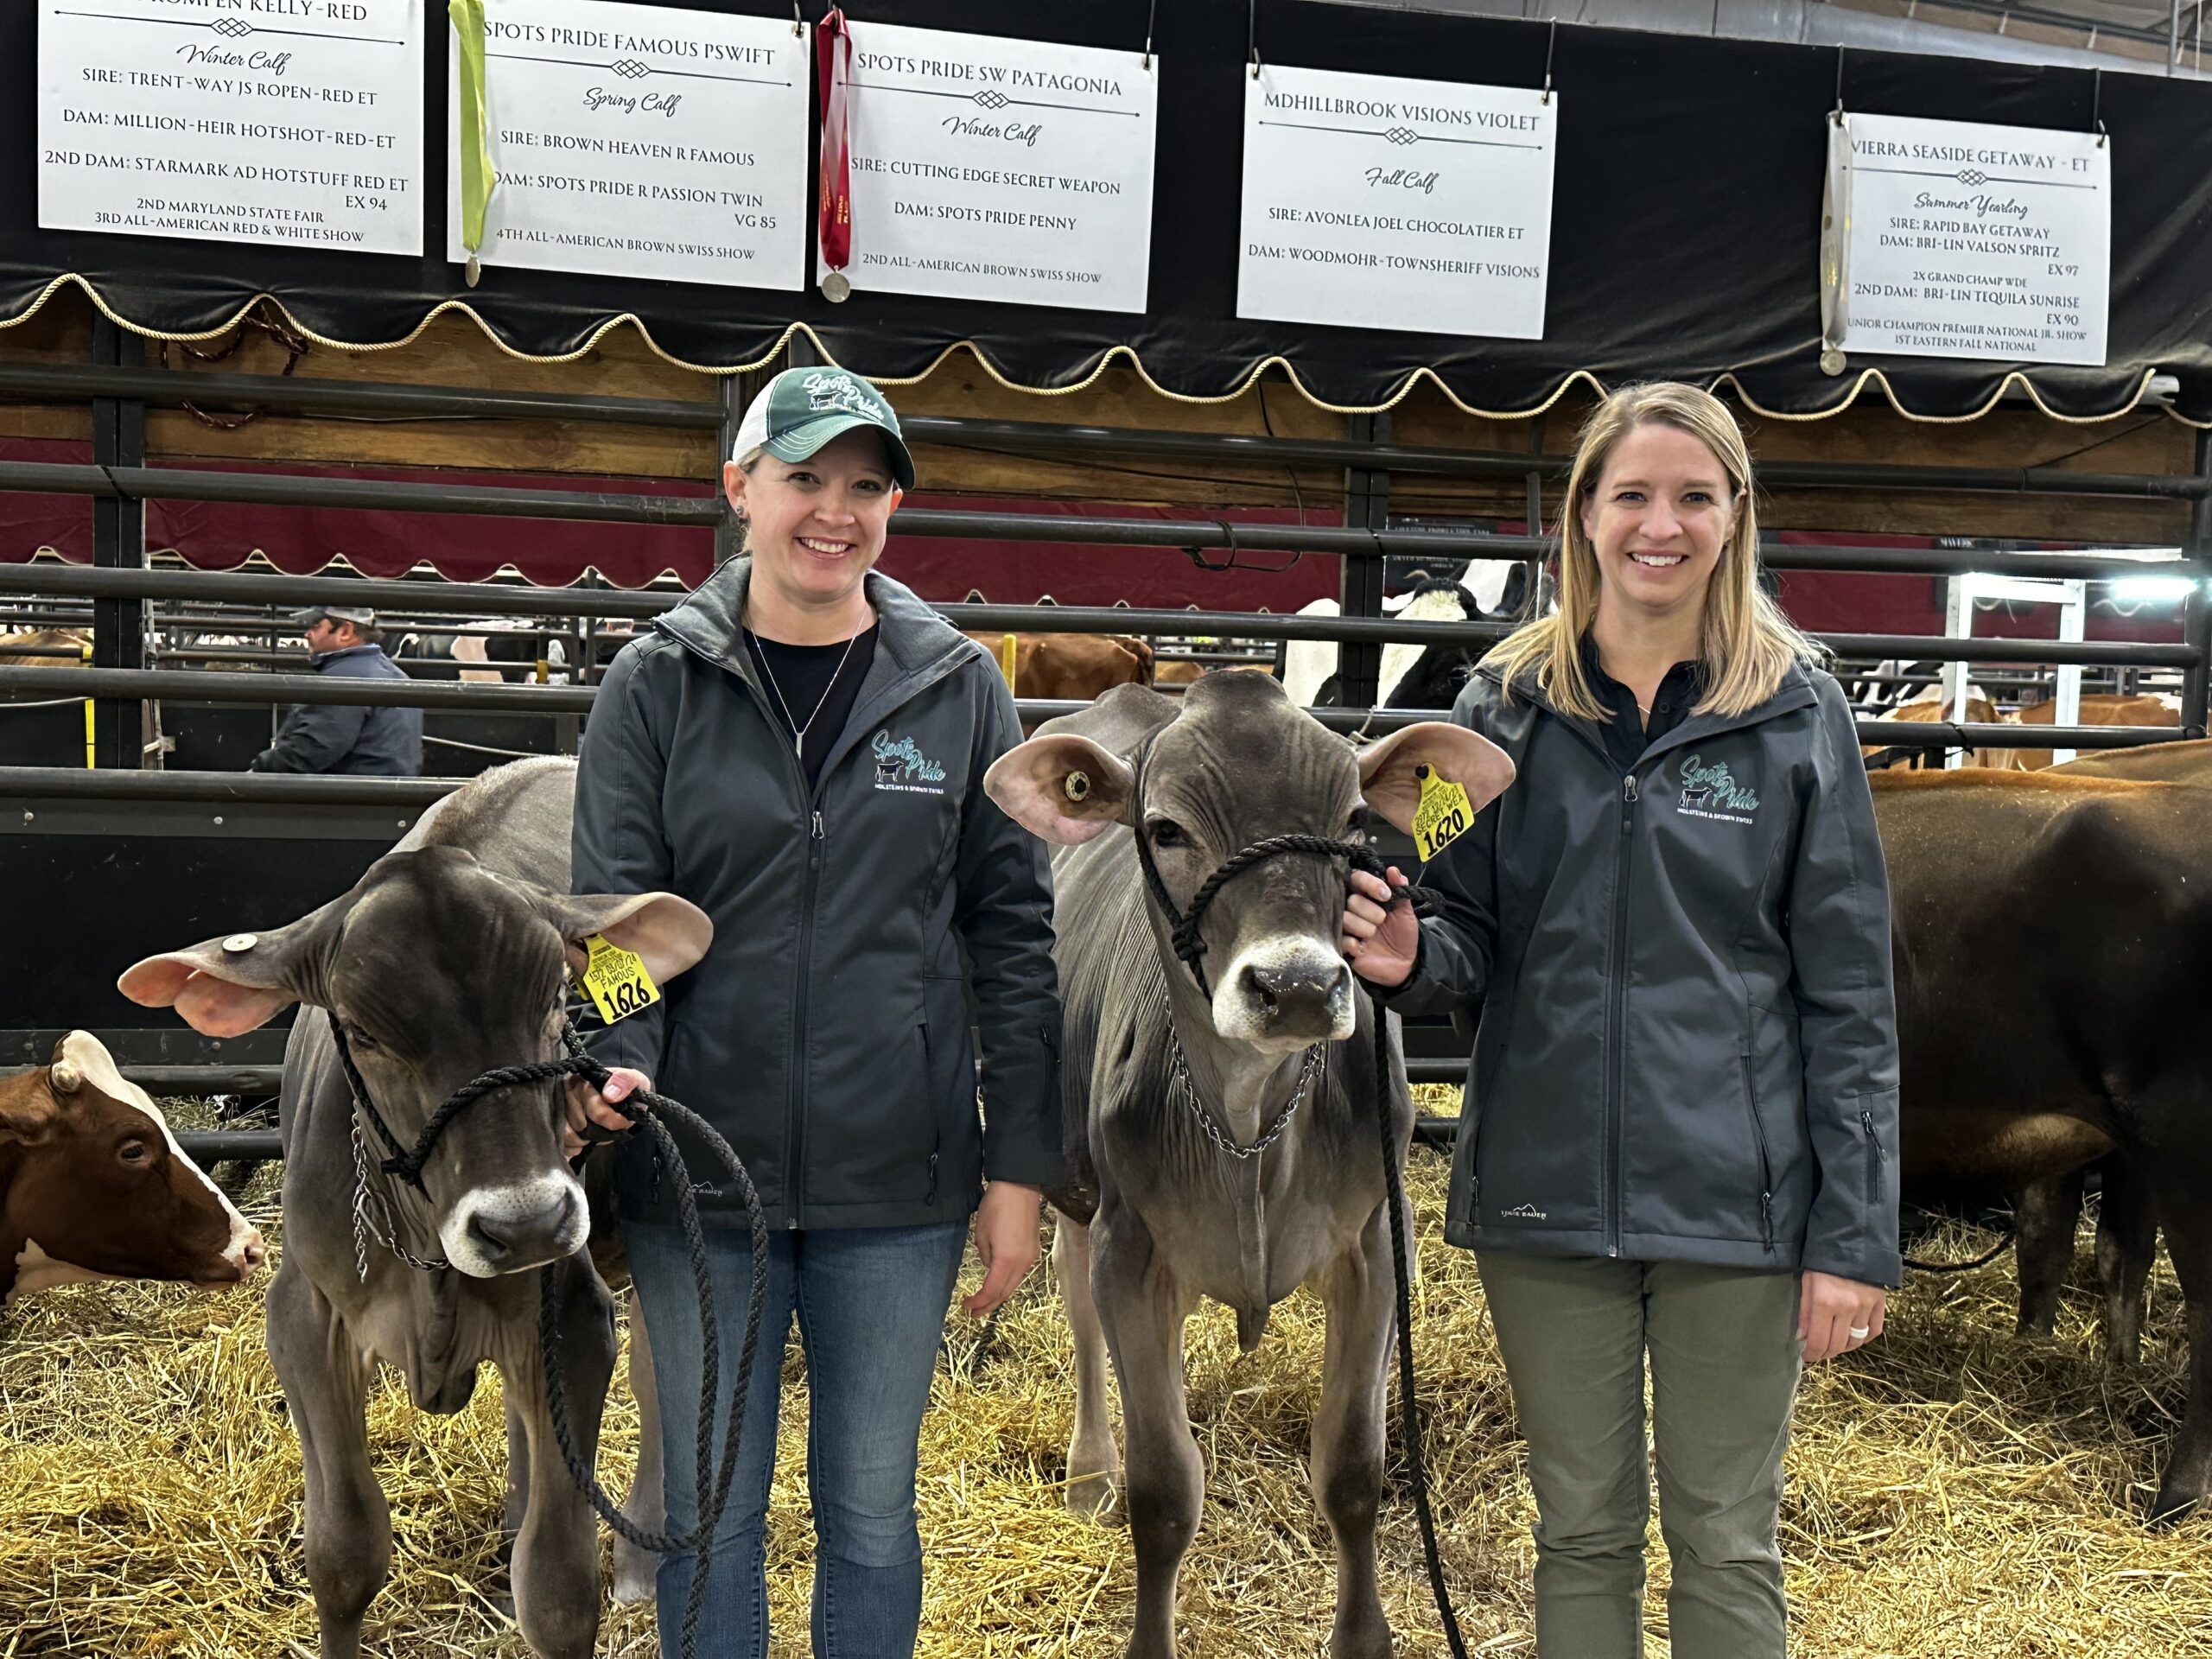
(1963, 240)
(631, 141)
(1424, 205)
(986, 168)
(286, 121)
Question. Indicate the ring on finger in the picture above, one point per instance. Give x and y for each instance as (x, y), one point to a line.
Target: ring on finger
(1860, 1332)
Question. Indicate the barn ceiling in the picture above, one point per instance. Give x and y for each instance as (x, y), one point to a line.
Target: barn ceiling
(2123, 35)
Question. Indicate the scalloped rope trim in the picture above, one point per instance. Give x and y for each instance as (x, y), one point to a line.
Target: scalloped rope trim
(1106, 361)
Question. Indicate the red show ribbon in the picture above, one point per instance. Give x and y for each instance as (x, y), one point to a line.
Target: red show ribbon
(833, 45)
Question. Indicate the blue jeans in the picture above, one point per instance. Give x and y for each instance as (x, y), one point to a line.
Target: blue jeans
(871, 1304)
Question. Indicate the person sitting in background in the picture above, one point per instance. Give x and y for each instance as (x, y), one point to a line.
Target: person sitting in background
(337, 737)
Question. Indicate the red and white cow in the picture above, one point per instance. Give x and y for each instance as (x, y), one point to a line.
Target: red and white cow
(94, 1185)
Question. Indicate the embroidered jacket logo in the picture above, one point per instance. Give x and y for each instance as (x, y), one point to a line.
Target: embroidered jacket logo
(1711, 792)
(901, 765)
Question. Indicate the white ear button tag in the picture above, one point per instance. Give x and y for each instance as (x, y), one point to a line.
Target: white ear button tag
(238, 942)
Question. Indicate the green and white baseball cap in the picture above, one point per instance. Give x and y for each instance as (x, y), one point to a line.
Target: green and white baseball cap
(801, 410)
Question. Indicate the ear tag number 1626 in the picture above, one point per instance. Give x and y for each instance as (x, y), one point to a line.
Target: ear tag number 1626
(617, 980)
(1442, 816)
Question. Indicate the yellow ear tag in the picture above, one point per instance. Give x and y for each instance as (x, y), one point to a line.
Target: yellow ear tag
(617, 980)
(1442, 817)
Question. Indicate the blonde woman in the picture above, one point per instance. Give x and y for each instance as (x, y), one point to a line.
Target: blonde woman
(1680, 1139)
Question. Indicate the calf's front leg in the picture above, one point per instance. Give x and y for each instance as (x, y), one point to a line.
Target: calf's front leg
(556, 1551)
(349, 1525)
(1143, 1310)
(1357, 1289)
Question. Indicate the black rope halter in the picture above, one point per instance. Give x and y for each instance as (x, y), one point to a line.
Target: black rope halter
(651, 1113)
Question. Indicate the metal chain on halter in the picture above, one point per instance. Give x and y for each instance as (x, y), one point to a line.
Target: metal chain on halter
(370, 1204)
(1214, 1132)
(650, 1112)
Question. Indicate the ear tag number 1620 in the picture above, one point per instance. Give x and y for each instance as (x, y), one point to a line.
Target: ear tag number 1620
(1443, 814)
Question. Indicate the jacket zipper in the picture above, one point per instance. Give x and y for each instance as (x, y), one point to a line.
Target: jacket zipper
(795, 1121)
(1766, 1167)
(1875, 1158)
(1616, 1018)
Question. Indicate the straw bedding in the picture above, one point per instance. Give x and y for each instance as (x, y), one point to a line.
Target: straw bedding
(1953, 1492)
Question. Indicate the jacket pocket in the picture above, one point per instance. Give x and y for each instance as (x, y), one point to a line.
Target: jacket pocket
(1766, 1157)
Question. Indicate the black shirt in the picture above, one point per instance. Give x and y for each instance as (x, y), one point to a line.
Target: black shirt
(812, 687)
(1626, 734)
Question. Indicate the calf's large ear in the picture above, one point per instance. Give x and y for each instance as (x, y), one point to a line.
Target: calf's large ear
(1389, 770)
(670, 933)
(226, 987)
(1062, 787)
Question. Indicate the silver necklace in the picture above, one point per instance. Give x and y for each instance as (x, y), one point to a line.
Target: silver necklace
(1214, 1132)
(799, 732)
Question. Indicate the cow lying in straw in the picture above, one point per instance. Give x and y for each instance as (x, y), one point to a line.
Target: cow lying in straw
(1169, 1088)
(94, 1185)
(448, 958)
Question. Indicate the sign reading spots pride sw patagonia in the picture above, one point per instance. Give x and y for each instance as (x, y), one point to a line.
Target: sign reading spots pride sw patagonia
(988, 168)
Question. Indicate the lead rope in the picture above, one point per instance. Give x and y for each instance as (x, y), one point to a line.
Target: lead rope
(1189, 949)
(645, 1109)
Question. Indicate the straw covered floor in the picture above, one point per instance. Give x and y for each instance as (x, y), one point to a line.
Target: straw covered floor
(1953, 1492)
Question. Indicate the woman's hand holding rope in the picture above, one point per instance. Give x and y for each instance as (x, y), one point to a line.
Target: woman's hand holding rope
(590, 1107)
(1380, 938)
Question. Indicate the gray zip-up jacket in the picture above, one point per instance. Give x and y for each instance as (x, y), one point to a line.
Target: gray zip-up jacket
(335, 737)
(1687, 1042)
(858, 924)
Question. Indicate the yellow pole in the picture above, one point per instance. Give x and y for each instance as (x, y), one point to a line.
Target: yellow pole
(1009, 645)
(91, 760)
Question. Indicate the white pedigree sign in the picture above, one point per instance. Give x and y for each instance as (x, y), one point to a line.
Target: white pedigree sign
(1957, 239)
(635, 141)
(986, 168)
(1375, 202)
(295, 122)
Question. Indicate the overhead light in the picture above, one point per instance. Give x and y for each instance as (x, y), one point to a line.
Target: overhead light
(2153, 590)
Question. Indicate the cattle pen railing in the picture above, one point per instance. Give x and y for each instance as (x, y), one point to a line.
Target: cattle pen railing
(121, 590)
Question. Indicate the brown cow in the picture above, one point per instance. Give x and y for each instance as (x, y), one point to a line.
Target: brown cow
(2048, 1212)
(1980, 711)
(94, 1185)
(2052, 936)
(2098, 709)
(1070, 667)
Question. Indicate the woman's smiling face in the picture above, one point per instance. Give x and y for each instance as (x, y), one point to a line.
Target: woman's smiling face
(816, 526)
(1659, 518)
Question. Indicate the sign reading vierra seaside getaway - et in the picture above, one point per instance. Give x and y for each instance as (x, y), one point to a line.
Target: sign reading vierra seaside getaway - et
(296, 122)
(1424, 205)
(634, 141)
(1950, 238)
(986, 168)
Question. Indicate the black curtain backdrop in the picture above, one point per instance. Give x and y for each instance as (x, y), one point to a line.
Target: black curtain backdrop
(1685, 230)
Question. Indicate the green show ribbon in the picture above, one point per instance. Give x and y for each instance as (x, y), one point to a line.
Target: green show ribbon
(479, 178)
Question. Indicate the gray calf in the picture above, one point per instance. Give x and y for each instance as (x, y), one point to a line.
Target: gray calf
(1162, 1214)
(447, 959)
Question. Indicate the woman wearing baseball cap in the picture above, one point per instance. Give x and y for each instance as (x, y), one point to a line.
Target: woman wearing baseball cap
(799, 749)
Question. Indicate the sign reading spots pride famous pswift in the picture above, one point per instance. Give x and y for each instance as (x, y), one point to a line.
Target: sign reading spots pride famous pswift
(640, 141)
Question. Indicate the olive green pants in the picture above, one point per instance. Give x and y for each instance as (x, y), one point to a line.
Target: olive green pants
(1575, 1332)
